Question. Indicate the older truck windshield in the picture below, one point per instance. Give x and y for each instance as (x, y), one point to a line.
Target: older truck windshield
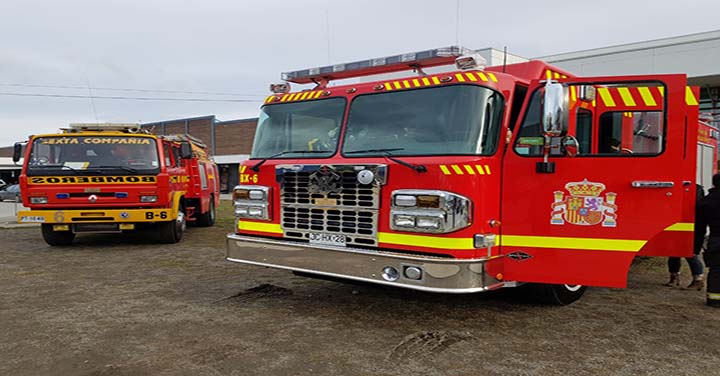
(451, 120)
(313, 126)
(91, 154)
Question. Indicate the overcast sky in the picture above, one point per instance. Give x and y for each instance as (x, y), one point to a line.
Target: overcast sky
(234, 49)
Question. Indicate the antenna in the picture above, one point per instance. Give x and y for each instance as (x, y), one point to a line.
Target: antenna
(504, 58)
(457, 22)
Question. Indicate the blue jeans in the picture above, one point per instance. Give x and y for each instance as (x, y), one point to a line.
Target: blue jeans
(696, 266)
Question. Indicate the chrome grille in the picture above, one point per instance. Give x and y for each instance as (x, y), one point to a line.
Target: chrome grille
(329, 199)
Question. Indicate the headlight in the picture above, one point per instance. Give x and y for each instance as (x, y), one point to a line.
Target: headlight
(38, 200)
(148, 198)
(252, 202)
(429, 211)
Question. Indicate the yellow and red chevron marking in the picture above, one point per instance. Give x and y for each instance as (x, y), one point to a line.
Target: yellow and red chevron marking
(637, 97)
(475, 76)
(465, 169)
(553, 75)
(294, 97)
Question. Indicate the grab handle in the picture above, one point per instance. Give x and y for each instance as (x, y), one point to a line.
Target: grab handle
(652, 184)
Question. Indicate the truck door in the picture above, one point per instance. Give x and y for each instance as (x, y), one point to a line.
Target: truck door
(629, 190)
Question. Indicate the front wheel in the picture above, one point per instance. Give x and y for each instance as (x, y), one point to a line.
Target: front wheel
(172, 231)
(56, 238)
(559, 295)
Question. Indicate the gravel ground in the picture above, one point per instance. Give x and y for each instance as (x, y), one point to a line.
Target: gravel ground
(122, 305)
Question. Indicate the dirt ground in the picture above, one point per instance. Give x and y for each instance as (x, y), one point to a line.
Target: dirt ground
(113, 305)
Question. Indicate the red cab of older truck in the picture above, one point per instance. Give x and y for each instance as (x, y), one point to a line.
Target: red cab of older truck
(116, 178)
(472, 180)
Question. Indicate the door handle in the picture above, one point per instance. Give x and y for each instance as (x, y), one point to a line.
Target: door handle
(652, 184)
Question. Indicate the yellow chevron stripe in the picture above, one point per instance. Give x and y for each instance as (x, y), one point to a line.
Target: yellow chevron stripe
(647, 97)
(661, 89)
(556, 75)
(445, 170)
(396, 85)
(487, 169)
(425, 81)
(304, 95)
(284, 98)
(436, 81)
(548, 74)
(272, 228)
(415, 82)
(690, 99)
(626, 96)
(457, 169)
(406, 84)
(291, 97)
(269, 99)
(459, 77)
(480, 170)
(680, 226)
(482, 76)
(596, 244)
(492, 77)
(469, 169)
(388, 86)
(606, 97)
(242, 169)
(471, 77)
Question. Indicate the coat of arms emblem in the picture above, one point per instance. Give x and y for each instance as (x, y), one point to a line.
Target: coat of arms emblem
(584, 206)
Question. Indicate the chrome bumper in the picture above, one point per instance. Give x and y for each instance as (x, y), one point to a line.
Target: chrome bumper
(445, 275)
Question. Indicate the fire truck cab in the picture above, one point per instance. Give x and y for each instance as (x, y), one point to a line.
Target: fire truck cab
(116, 178)
(471, 180)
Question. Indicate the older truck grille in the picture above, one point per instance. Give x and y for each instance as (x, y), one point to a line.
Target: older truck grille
(330, 199)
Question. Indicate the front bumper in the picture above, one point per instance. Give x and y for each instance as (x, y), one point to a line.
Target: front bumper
(59, 216)
(444, 275)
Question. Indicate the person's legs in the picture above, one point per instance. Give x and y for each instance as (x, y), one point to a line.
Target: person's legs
(713, 287)
(696, 268)
(674, 269)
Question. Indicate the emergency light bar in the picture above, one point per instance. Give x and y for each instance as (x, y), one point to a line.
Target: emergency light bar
(422, 59)
(117, 127)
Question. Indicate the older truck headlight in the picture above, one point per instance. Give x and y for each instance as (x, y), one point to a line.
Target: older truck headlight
(252, 202)
(415, 210)
(39, 200)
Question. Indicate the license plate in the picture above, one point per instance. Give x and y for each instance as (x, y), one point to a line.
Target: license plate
(32, 219)
(327, 239)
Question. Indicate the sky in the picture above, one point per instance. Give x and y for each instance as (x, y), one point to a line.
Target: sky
(218, 57)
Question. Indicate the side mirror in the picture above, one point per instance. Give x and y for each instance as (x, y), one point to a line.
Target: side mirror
(555, 110)
(17, 152)
(185, 150)
(569, 146)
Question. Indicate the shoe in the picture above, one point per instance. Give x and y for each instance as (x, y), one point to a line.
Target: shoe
(674, 280)
(696, 284)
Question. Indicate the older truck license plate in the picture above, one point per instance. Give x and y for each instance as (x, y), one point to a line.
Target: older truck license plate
(327, 239)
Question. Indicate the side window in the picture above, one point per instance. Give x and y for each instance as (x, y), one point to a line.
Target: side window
(168, 155)
(203, 175)
(583, 130)
(176, 155)
(529, 140)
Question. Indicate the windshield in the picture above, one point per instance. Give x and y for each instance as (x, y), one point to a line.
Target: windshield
(93, 154)
(451, 120)
(313, 126)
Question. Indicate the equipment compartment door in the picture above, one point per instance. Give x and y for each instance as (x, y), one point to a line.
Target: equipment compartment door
(629, 191)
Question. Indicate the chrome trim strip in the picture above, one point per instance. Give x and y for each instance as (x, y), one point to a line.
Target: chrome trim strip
(441, 275)
(652, 184)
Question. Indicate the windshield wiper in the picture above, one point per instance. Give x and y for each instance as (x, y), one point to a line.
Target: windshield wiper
(62, 167)
(256, 167)
(388, 155)
(125, 168)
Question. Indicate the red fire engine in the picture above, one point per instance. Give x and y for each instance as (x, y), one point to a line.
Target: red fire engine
(471, 180)
(116, 178)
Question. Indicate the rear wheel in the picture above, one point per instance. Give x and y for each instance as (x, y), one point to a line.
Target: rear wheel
(207, 219)
(559, 295)
(56, 238)
(172, 231)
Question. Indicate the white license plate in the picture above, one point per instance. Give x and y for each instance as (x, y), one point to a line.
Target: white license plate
(327, 239)
(32, 219)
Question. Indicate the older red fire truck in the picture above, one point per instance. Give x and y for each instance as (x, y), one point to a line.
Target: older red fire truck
(471, 180)
(116, 178)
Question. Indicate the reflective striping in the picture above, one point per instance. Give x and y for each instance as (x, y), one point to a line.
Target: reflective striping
(492, 77)
(269, 99)
(284, 98)
(460, 77)
(292, 97)
(606, 97)
(680, 226)
(471, 77)
(242, 169)
(646, 96)
(626, 96)
(457, 169)
(480, 169)
(690, 99)
(487, 169)
(469, 169)
(273, 228)
(415, 82)
(713, 296)
(445, 170)
(465, 169)
(436, 81)
(548, 74)
(387, 86)
(482, 76)
(425, 81)
(426, 241)
(396, 84)
(406, 84)
(661, 89)
(304, 95)
(593, 244)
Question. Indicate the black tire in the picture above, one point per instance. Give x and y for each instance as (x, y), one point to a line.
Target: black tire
(558, 295)
(172, 231)
(207, 219)
(57, 238)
